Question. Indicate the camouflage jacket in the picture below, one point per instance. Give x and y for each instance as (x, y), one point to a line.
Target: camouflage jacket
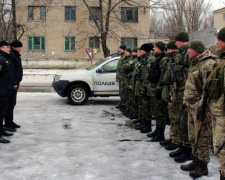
(118, 73)
(197, 76)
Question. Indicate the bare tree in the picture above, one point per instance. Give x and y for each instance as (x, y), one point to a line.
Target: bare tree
(6, 20)
(184, 15)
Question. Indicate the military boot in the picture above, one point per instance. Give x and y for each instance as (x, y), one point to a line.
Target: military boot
(165, 142)
(148, 127)
(200, 170)
(160, 136)
(3, 140)
(221, 176)
(176, 153)
(191, 166)
(154, 133)
(171, 146)
(184, 156)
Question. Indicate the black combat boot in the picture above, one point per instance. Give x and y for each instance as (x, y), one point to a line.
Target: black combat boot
(184, 156)
(4, 133)
(10, 129)
(221, 176)
(3, 140)
(200, 170)
(165, 142)
(154, 133)
(148, 127)
(15, 125)
(176, 153)
(137, 121)
(171, 146)
(191, 166)
(160, 136)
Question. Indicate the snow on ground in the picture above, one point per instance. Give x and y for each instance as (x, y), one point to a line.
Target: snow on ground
(60, 141)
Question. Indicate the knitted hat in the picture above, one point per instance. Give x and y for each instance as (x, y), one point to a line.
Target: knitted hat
(160, 45)
(171, 45)
(198, 46)
(221, 34)
(182, 36)
(135, 50)
(4, 43)
(123, 47)
(147, 47)
(129, 50)
(16, 43)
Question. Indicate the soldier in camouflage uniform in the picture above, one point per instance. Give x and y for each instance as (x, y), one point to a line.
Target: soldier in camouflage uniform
(216, 91)
(124, 70)
(181, 66)
(166, 81)
(158, 106)
(140, 92)
(202, 62)
(118, 75)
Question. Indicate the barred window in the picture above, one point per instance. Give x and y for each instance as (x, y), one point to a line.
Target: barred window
(94, 42)
(70, 13)
(36, 13)
(129, 14)
(129, 42)
(70, 43)
(96, 13)
(36, 43)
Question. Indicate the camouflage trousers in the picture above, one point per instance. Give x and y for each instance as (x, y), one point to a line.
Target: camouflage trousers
(140, 107)
(159, 111)
(204, 143)
(147, 113)
(123, 94)
(131, 104)
(171, 113)
(217, 109)
(180, 126)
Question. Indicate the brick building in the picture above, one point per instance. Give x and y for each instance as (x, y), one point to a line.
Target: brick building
(57, 33)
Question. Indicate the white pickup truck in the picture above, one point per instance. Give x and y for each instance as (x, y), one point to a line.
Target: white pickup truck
(80, 84)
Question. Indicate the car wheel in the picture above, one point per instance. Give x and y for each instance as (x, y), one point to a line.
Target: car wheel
(77, 95)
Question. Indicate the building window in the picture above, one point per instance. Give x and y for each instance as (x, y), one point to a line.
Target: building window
(70, 13)
(36, 13)
(36, 43)
(96, 11)
(94, 42)
(224, 16)
(70, 42)
(129, 14)
(129, 42)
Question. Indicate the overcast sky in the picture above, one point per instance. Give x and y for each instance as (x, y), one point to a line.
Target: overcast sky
(217, 4)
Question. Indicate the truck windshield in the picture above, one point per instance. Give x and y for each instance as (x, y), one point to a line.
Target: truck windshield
(97, 64)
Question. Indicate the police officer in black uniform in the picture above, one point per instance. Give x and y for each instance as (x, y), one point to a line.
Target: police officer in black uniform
(6, 86)
(16, 47)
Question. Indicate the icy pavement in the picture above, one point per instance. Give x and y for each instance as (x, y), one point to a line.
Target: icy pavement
(58, 141)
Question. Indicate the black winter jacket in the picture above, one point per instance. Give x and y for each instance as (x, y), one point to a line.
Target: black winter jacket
(17, 66)
(6, 74)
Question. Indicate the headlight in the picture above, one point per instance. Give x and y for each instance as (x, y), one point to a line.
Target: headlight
(57, 77)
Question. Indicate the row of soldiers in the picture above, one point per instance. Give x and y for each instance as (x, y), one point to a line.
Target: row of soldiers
(184, 85)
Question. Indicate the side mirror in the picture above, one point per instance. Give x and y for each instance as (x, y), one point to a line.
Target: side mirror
(99, 71)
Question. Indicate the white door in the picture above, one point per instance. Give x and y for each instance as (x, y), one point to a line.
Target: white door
(104, 79)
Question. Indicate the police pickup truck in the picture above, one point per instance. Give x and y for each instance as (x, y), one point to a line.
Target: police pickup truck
(80, 84)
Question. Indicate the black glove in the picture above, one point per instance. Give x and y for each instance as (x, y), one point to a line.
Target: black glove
(158, 94)
(199, 113)
(184, 106)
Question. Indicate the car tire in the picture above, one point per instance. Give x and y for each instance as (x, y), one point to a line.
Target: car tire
(77, 94)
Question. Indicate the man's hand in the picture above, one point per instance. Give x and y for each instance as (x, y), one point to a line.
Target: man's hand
(184, 107)
(15, 87)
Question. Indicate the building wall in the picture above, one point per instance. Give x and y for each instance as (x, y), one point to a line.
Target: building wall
(55, 28)
(219, 18)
